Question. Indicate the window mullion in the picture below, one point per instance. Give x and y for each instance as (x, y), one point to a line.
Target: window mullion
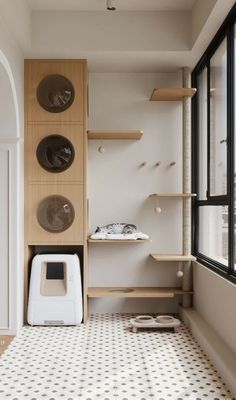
(230, 142)
(208, 130)
(213, 201)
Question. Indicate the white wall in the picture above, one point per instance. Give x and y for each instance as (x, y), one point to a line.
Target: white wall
(8, 125)
(206, 25)
(127, 41)
(75, 31)
(200, 13)
(16, 16)
(11, 130)
(4, 242)
(214, 300)
(119, 189)
(14, 57)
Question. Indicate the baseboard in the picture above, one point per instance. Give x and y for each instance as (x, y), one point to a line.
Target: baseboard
(220, 354)
(8, 332)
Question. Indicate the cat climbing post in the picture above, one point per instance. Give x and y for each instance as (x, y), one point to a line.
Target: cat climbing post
(186, 144)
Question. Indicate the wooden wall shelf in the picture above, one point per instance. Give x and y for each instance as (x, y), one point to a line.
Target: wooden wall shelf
(115, 135)
(117, 241)
(171, 94)
(172, 257)
(173, 195)
(136, 292)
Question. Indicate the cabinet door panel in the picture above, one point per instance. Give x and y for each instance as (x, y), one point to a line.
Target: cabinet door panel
(34, 171)
(35, 233)
(36, 71)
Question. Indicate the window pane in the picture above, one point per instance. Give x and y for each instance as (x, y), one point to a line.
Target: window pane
(218, 121)
(202, 134)
(213, 233)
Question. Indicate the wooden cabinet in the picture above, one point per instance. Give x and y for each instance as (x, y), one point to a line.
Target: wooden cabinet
(55, 158)
(67, 123)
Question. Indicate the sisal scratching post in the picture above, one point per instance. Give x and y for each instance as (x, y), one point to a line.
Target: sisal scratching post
(186, 237)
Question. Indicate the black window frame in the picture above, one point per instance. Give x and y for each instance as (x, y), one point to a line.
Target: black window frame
(227, 30)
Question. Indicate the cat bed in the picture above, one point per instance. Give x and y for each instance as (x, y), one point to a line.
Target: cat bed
(118, 231)
(119, 236)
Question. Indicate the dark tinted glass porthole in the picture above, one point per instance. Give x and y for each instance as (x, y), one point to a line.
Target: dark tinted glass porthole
(55, 93)
(55, 214)
(55, 153)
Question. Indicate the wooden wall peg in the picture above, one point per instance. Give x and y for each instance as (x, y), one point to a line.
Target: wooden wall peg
(143, 164)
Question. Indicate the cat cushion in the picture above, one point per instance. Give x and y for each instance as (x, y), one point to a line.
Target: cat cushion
(119, 236)
(118, 231)
(117, 228)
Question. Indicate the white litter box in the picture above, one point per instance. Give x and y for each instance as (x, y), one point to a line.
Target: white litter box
(55, 294)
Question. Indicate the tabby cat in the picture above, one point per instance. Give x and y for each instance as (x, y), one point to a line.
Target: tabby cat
(117, 228)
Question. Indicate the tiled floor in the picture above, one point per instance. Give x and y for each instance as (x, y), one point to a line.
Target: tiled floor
(104, 360)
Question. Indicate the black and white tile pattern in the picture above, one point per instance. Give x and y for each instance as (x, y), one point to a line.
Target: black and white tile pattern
(104, 360)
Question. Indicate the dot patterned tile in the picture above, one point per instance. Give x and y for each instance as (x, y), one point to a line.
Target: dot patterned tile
(104, 360)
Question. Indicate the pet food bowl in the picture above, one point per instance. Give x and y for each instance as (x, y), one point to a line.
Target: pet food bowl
(147, 321)
(164, 319)
(144, 319)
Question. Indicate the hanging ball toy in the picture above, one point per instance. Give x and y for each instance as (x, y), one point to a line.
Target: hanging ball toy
(157, 209)
(180, 274)
(101, 149)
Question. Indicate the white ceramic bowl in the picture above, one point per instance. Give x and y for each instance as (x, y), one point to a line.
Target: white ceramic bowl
(144, 319)
(164, 319)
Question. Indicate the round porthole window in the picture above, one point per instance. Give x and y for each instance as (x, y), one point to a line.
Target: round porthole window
(55, 93)
(55, 153)
(55, 214)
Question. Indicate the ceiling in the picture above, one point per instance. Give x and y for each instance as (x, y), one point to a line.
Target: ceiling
(121, 5)
(150, 39)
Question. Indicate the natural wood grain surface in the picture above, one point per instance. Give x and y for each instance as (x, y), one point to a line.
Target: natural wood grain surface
(173, 195)
(33, 136)
(35, 233)
(138, 292)
(172, 257)
(4, 343)
(85, 201)
(35, 71)
(71, 123)
(171, 94)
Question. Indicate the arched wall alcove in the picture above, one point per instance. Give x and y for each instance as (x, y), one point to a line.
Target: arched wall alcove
(9, 110)
(11, 227)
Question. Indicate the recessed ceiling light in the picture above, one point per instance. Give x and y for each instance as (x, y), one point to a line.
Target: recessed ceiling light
(110, 5)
